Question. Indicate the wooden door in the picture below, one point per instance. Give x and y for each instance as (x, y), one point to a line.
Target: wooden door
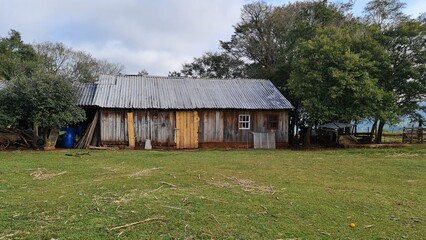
(186, 129)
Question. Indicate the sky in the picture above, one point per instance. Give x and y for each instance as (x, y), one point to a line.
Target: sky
(153, 35)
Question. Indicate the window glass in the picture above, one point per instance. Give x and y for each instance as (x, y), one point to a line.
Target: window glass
(244, 121)
(272, 121)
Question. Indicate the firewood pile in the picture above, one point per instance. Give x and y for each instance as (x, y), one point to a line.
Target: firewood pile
(17, 138)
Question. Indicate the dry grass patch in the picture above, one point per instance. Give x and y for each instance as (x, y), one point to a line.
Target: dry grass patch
(246, 185)
(41, 174)
(143, 173)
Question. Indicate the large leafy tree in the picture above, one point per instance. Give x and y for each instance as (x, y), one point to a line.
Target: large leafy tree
(404, 81)
(37, 90)
(254, 40)
(16, 57)
(332, 78)
(43, 98)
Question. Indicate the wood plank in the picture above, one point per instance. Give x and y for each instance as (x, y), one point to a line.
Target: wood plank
(131, 129)
(51, 141)
(221, 126)
(195, 130)
(186, 129)
(178, 130)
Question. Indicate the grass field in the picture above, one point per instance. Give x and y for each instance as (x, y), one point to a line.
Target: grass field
(211, 194)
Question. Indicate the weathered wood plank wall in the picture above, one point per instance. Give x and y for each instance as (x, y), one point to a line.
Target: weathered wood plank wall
(113, 126)
(155, 125)
(222, 125)
(215, 126)
(159, 126)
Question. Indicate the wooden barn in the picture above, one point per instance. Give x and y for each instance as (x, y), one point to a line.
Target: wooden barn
(186, 113)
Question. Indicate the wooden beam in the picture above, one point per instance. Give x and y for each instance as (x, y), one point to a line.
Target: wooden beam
(131, 129)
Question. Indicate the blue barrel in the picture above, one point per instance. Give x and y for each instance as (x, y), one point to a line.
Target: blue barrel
(69, 137)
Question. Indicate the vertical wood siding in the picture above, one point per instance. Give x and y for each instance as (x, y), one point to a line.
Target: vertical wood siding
(186, 129)
(114, 126)
(215, 126)
(155, 125)
(222, 125)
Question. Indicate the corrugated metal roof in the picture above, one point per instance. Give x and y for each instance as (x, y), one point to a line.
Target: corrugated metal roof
(149, 92)
(86, 92)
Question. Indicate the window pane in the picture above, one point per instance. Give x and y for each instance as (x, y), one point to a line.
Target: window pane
(272, 121)
(244, 121)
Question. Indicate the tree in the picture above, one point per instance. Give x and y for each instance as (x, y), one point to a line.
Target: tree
(385, 13)
(143, 72)
(213, 65)
(45, 99)
(253, 40)
(332, 79)
(266, 38)
(78, 66)
(16, 57)
(404, 40)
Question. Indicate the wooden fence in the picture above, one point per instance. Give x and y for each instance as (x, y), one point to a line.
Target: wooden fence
(413, 135)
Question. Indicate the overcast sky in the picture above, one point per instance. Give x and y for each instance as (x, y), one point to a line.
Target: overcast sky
(155, 35)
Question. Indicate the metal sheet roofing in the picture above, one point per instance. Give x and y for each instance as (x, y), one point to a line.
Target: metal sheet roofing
(86, 93)
(149, 92)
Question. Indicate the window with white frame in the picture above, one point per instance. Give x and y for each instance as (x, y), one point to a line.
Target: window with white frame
(244, 121)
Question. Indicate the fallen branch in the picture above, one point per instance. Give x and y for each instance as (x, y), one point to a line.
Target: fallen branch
(169, 184)
(136, 223)
(326, 233)
(7, 236)
(176, 208)
(76, 154)
(103, 148)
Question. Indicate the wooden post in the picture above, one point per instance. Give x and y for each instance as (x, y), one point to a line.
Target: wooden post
(131, 130)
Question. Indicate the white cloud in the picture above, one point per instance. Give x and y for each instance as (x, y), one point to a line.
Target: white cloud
(158, 36)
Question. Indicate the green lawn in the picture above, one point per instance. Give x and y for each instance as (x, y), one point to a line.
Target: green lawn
(212, 194)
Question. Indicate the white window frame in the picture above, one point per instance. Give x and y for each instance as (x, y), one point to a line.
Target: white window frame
(242, 122)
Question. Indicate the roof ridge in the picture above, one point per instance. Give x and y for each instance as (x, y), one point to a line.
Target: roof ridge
(182, 77)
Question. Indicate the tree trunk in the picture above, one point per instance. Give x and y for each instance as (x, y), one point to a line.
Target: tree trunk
(35, 130)
(374, 129)
(45, 134)
(291, 133)
(380, 131)
(307, 140)
(35, 135)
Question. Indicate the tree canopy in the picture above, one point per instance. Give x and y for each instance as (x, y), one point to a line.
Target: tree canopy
(77, 66)
(16, 57)
(332, 79)
(212, 65)
(42, 98)
(38, 82)
(331, 65)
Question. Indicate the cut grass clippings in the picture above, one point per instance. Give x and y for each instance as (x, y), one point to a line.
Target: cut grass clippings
(213, 194)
